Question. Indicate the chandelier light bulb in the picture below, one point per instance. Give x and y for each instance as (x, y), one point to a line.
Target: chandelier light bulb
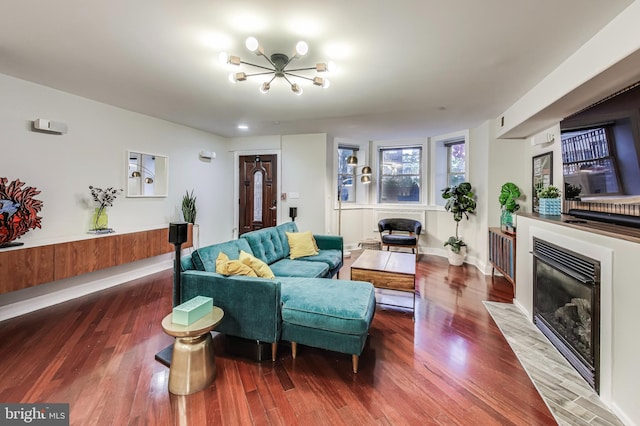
(296, 89)
(252, 44)
(265, 87)
(232, 78)
(302, 48)
(331, 66)
(223, 58)
(326, 83)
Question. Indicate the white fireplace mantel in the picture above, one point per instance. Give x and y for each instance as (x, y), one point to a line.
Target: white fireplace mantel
(619, 292)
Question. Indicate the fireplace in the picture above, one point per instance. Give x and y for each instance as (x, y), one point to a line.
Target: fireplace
(566, 305)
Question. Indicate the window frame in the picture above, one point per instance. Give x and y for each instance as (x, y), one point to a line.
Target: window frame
(341, 177)
(449, 146)
(381, 175)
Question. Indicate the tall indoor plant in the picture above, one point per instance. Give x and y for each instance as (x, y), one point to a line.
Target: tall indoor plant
(509, 193)
(461, 202)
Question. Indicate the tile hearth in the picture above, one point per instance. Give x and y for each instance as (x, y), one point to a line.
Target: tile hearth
(569, 398)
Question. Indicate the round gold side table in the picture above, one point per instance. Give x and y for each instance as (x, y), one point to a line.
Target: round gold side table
(193, 365)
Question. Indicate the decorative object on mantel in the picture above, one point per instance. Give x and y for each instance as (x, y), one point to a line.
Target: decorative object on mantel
(550, 203)
(509, 193)
(18, 211)
(104, 198)
(460, 202)
(571, 191)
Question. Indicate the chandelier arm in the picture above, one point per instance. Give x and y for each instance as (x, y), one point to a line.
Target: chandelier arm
(295, 75)
(288, 81)
(261, 73)
(257, 66)
(302, 69)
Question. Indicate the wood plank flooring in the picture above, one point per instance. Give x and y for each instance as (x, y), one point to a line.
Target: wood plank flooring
(451, 366)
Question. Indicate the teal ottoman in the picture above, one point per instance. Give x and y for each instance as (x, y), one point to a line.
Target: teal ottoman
(327, 314)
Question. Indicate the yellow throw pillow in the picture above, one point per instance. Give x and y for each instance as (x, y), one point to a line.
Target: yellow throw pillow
(259, 267)
(301, 244)
(225, 266)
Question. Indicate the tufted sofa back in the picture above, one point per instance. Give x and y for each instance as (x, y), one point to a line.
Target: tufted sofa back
(204, 259)
(270, 244)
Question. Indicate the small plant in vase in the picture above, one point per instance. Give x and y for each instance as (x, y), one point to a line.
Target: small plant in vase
(509, 193)
(550, 202)
(103, 198)
(460, 202)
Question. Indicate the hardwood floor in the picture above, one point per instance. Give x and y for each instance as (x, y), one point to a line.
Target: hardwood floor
(451, 366)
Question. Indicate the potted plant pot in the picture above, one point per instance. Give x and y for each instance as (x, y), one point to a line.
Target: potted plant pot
(461, 202)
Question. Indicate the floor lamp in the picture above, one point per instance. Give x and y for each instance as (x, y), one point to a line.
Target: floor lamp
(365, 178)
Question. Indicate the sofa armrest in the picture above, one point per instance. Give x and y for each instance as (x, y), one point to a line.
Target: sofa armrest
(251, 305)
(329, 242)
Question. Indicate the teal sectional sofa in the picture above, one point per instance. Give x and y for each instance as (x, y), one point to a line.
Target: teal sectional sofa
(302, 304)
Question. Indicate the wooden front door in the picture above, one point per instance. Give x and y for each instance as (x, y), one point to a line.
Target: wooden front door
(258, 192)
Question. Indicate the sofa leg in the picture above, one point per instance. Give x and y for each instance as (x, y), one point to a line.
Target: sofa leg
(354, 362)
(274, 351)
(294, 350)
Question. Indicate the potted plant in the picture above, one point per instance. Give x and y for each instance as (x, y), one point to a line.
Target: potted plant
(550, 203)
(509, 193)
(460, 202)
(189, 209)
(103, 198)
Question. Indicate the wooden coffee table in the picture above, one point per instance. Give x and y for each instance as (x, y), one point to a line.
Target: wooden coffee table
(387, 270)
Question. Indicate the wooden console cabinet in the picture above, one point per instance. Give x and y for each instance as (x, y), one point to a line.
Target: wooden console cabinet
(502, 254)
(30, 266)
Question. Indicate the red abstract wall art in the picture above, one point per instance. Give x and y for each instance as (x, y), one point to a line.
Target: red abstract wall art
(18, 211)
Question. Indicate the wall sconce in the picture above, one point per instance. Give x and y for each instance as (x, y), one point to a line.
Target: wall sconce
(207, 155)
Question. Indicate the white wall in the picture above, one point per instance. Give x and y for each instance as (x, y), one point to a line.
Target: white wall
(302, 171)
(94, 152)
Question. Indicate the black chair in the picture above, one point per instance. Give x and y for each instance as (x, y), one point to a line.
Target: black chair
(395, 232)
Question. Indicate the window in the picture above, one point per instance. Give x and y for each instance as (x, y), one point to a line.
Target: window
(456, 163)
(588, 161)
(400, 175)
(346, 174)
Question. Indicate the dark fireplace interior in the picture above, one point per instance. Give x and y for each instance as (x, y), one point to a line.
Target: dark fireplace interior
(567, 305)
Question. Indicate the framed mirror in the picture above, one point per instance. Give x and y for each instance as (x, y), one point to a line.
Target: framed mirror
(541, 175)
(147, 175)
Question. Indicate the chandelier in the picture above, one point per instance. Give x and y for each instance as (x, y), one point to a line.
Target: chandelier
(277, 67)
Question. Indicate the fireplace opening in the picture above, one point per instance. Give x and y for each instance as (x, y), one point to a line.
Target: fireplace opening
(566, 291)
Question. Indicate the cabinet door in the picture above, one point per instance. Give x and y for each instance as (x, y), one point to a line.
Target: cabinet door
(24, 268)
(80, 257)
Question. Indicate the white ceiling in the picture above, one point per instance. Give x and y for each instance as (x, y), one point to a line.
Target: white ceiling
(406, 68)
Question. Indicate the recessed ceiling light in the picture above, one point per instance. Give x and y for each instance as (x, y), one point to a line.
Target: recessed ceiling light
(243, 127)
